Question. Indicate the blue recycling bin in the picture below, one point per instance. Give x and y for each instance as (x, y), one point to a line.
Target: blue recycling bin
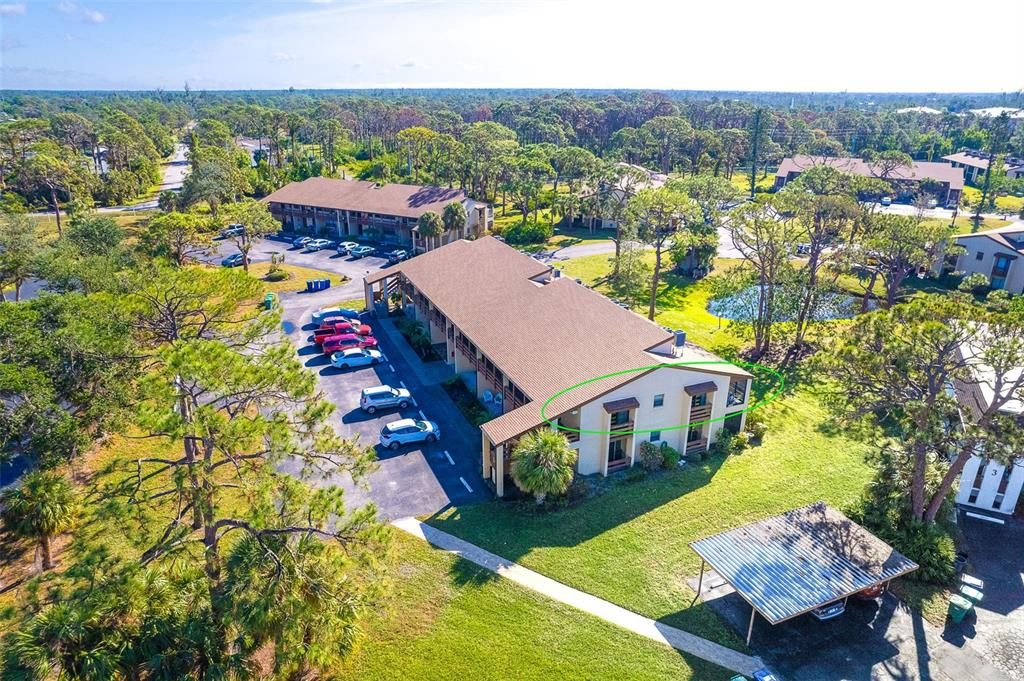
(309, 285)
(327, 283)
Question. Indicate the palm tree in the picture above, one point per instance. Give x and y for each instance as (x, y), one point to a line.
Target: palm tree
(454, 217)
(42, 507)
(430, 226)
(543, 463)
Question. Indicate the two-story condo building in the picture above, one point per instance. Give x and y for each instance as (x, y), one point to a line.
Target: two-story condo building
(947, 182)
(357, 209)
(542, 350)
(996, 253)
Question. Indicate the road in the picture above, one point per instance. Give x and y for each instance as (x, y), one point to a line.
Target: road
(173, 172)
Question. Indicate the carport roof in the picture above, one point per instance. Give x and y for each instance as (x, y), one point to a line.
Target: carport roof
(791, 563)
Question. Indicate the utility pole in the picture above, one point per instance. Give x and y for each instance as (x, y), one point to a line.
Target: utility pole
(753, 151)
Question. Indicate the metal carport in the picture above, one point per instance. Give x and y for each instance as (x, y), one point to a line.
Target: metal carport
(790, 564)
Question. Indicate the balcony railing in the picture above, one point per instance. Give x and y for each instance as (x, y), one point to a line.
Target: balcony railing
(700, 413)
(697, 446)
(625, 425)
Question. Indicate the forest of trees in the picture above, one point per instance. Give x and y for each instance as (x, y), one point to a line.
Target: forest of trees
(64, 148)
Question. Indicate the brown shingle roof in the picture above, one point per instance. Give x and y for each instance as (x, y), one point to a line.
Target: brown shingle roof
(404, 200)
(543, 337)
(942, 172)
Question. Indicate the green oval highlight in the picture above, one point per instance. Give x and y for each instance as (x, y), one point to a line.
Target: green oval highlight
(751, 366)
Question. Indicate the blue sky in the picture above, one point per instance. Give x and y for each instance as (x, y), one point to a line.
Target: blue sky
(862, 45)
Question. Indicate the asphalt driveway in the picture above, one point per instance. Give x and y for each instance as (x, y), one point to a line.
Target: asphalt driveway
(995, 556)
(417, 479)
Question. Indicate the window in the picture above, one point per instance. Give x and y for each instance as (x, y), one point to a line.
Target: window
(620, 418)
(699, 400)
(979, 255)
(659, 400)
(656, 436)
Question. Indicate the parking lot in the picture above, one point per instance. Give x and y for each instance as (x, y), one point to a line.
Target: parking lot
(416, 479)
(328, 260)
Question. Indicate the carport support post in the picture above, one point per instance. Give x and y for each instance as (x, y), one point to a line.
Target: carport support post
(750, 629)
(700, 580)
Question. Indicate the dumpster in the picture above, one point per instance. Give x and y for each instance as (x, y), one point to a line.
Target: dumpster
(327, 283)
(310, 285)
(958, 608)
(970, 593)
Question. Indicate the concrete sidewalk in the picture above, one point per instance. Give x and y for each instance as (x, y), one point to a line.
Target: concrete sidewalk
(609, 612)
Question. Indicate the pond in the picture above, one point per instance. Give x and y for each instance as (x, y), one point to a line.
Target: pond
(742, 306)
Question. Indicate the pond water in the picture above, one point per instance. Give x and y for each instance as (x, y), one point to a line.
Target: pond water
(742, 306)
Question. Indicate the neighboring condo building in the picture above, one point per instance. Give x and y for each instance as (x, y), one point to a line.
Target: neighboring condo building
(906, 181)
(975, 164)
(519, 334)
(633, 178)
(987, 484)
(996, 253)
(361, 210)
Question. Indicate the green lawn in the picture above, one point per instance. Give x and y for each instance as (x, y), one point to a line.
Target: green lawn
(449, 619)
(965, 225)
(297, 279)
(630, 545)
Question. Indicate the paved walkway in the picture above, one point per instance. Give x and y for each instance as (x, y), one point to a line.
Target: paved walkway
(656, 631)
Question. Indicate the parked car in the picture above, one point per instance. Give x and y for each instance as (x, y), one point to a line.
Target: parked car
(356, 357)
(803, 249)
(232, 230)
(765, 674)
(233, 260)
(344, 247)
(339, 329)
(407, 431)
(320, 316)
(382, 397)
(344, 341)
(886, 201)
(829, 610)
(362, 251)
(318, 244)
(933, 203)
(301, 241)
(396, 256)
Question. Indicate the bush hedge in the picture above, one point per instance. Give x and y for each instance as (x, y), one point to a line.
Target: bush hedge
(528, 233)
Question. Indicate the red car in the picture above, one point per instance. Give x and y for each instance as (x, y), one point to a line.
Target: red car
(333, 344)
(340, 328)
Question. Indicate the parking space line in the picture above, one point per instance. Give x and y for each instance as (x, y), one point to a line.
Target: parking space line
(422, 415)
(449, 457)
(414, 403)
(392, 368)
(401, 383)
(463, 480)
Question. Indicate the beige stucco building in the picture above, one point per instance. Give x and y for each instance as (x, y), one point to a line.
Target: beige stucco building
(544, 351)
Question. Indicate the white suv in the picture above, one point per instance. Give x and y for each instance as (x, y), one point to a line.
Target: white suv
(383, 396)
(408, 431)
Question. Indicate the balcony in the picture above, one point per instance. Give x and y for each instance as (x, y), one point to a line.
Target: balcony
(621, 426)
(697, 446)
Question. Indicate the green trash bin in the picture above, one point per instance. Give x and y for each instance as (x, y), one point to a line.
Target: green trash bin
(958, 608)
(268, 301)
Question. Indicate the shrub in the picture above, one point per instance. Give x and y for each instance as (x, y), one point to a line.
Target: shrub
(669, 456)
(974, 283)
(650, 456)
(756, 425)
(528, 233)
(276, 275)
(741, 441)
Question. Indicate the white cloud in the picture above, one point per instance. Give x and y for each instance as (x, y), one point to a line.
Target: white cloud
(11, 43)
(357, 65)
(83, 14)
(92, 16)
(408, 64)
(282, 56)
(8, 9)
